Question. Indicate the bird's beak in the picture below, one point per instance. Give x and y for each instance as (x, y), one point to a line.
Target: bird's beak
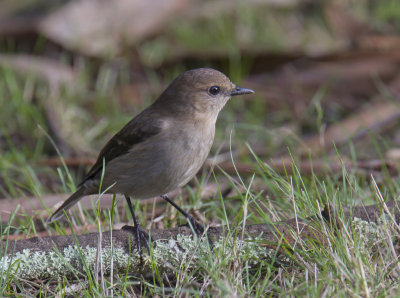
(240, 91)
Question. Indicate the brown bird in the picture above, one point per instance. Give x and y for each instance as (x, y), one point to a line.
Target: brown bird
(163, 147)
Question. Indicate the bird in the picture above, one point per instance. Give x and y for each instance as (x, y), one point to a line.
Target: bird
(162, 148)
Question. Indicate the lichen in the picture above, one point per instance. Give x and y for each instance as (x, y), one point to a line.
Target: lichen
(166, 255)
(369, 234)
(184, 252)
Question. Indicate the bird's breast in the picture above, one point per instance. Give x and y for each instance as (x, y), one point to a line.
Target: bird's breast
(190, 147)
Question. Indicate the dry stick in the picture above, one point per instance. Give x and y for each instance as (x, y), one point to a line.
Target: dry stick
(54, 256)
(374, 117)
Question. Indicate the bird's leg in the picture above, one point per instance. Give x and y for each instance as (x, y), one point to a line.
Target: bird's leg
(198, 228)
(140, 235)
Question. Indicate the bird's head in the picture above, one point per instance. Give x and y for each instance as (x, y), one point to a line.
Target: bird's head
(200, 92)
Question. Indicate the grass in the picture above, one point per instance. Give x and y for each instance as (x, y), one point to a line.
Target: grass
(360, 261)
(354, 262)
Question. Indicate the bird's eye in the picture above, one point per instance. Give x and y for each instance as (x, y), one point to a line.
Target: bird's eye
(214, 90)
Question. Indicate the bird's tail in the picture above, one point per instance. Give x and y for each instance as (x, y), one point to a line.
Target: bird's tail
(74, 198)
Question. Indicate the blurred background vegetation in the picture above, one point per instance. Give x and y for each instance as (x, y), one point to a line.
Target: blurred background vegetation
(79, 70)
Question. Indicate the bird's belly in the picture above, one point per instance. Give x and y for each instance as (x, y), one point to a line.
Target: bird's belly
(183, 162)
(158, 169)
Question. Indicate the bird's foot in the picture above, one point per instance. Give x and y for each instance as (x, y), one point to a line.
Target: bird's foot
(197, 227)
(141, 237)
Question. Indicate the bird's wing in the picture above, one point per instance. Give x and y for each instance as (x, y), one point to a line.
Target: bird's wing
(139, 129)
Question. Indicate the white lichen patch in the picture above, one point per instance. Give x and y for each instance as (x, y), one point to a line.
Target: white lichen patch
(72, 261)
(369, 234)
(167, 255)
(187, 252)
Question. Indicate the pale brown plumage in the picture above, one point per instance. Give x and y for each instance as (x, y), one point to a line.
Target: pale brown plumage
(164, 146)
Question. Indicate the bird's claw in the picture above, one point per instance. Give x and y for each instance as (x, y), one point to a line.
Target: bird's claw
(198, 229)
(141, 237)
(195, 225)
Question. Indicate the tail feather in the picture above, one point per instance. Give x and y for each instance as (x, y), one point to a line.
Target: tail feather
(74, 198)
